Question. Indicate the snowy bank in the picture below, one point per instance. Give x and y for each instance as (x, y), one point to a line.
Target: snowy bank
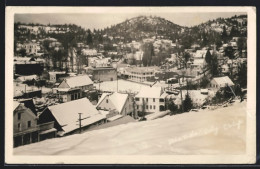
(221, 131)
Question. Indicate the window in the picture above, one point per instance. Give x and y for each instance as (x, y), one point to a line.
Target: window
(153, 99)
(137, 107)
(146, 106)
(146, 99)
(107, 100)
(29, 124)
(136, 99)
(19, 126)
(153, 107)
(19, 116)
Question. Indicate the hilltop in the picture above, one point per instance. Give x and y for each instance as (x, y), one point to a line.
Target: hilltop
(144, 26)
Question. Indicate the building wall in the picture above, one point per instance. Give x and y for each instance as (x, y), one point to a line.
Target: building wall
(25, 115)
(105, 75)
(106, 104)
(128, 107)
(151, 104)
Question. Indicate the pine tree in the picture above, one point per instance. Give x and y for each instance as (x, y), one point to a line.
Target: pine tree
(89, 38)
(172, 106)
(208, 57)
(187, 103)
(224, 34)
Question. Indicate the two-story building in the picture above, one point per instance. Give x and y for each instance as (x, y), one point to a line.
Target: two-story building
(26, 129)
(139, 74)
(73, 88)
(102, 73)
(150, 100)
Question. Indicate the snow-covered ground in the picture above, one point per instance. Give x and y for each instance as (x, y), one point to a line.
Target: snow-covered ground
(211, 132)
(20, 88)
(123, 86)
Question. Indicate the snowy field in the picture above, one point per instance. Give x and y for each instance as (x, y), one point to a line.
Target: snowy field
(123, 86)
(220, 131)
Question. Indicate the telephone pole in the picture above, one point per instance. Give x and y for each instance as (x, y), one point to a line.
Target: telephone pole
(80, 122)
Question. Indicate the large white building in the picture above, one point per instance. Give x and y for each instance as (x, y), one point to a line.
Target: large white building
(150, 100)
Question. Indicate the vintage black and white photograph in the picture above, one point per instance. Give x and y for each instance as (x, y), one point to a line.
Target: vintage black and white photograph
(130, 82)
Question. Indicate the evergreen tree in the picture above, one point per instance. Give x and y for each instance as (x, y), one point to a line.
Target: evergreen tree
(208, 57)
(187, 103)
(89, 38)
(172, 106)
(22, 52)
(186, 58)
(224, 34)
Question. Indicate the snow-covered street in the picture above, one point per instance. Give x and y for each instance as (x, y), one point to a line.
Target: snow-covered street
(221, 131)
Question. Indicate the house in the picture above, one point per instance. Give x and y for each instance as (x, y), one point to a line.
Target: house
(139, 74)
(121, 102)
(72, 88)
(66, 116)
(25, 126)
(150, 100)
(31, 48)
(219, 82)
(102, 73)
(198, 65)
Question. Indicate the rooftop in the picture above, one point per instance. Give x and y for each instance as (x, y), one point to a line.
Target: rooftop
(76, 81)
(67, 114)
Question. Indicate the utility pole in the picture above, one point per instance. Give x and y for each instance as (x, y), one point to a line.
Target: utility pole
(80, 122)
(181, 94)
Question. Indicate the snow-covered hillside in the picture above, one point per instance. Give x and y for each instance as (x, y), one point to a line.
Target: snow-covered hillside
(221, 131)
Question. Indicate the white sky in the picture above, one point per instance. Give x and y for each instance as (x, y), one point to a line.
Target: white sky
(102, 20)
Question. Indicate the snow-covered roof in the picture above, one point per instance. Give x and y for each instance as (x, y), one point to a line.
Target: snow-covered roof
(223, 80)
(117, 99)
(76, 81)
(15, 104)
(67, 114)
(24, 78)
(150, 92)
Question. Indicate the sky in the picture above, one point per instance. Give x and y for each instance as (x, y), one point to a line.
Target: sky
(103, 20)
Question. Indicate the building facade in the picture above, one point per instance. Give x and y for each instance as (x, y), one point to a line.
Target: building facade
(26, 129)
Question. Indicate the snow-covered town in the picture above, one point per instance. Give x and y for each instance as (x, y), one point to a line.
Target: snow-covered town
(140, 85)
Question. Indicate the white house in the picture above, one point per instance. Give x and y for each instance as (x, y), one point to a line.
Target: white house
(120, 102)
(219, 82)
(150, 100)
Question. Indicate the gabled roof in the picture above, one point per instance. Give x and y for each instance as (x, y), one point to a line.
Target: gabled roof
(223, 80)
(78, 81)
(67, 115)
(117, 99)
(15, 105)
(150, 92)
